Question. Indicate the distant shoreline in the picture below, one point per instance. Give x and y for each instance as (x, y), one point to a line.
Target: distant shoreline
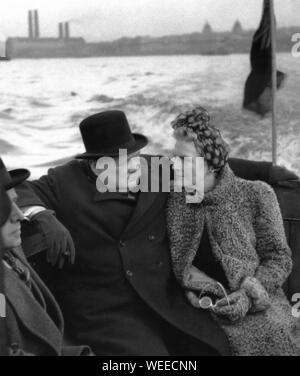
(135, 56)
(124, 55)
(206, 44)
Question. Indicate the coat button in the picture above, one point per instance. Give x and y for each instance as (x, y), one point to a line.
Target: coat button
(151, 238)
(160, 264)
(122, 243)
(129, 273)
(15, 346)
(14, 349)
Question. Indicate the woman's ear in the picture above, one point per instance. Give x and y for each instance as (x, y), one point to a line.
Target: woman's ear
(208, 170)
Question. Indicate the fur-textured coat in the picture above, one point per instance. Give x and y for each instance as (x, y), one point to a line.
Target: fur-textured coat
(247, 237)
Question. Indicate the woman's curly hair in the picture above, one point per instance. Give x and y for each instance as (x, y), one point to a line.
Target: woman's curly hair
(195, 126)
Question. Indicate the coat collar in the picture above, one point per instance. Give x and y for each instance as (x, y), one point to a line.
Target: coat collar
(145, 200)
(29, 312)
(223, 189)
(185, 223)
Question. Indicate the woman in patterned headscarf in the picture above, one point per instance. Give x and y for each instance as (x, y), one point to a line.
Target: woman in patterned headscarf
(229, 250)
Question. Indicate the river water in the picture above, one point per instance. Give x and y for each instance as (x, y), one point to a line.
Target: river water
(43, 101)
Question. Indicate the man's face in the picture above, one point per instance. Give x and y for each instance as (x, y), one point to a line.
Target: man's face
(129, 167)
(11, 231)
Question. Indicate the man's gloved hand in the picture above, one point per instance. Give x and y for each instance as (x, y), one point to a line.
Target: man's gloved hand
(60, 245)
(283, 177)
(238, 307)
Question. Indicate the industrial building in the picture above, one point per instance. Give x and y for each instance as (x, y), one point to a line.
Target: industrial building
(34, 46)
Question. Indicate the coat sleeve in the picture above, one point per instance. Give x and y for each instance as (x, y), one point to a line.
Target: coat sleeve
(271, 244)
(41, 192)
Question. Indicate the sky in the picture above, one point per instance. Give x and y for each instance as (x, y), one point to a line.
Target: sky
(99, 20)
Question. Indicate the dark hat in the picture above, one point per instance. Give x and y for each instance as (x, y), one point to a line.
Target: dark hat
(5, 205)
(12, 178)
(104, 134)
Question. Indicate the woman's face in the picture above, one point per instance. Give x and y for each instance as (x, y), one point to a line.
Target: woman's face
(11, 230)
(184, 149)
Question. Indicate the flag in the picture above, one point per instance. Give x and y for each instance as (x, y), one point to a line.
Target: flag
(258, 88)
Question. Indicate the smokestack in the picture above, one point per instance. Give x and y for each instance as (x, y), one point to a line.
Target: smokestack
(30, 25)
(67, 30)
(37, 25)
(60, 30)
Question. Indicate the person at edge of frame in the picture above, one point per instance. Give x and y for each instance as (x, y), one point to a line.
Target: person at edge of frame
(34, 324)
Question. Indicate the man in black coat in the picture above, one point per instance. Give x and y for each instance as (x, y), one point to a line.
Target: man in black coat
(33, 324)
(120, 297)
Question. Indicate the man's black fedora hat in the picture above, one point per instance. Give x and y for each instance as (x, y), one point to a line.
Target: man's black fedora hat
(105, 133)
(12, 178)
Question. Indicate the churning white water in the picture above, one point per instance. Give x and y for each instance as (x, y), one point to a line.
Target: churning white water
(43, 101)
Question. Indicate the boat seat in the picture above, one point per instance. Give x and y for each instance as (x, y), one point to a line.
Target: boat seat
(289, 201)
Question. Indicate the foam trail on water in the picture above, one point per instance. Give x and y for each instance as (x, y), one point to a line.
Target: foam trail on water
(39, 121)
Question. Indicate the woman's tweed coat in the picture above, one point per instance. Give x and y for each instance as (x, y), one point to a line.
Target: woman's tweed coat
(247, 236)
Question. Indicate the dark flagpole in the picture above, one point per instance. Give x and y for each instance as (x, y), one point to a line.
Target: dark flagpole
(274, 83)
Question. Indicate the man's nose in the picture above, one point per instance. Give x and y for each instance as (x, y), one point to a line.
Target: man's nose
(17, 214)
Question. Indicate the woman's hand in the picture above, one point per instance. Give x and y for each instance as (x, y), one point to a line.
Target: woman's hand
(258, 294)
(201, 283)
(238, 307)
(193, 298)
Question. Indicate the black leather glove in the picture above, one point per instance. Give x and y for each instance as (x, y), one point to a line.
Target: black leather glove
(60, 245)
(283, 177)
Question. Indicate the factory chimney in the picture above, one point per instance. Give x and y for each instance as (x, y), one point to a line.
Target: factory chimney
(67, 30)
(60, 30)
(37, 25)
(30, 25)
